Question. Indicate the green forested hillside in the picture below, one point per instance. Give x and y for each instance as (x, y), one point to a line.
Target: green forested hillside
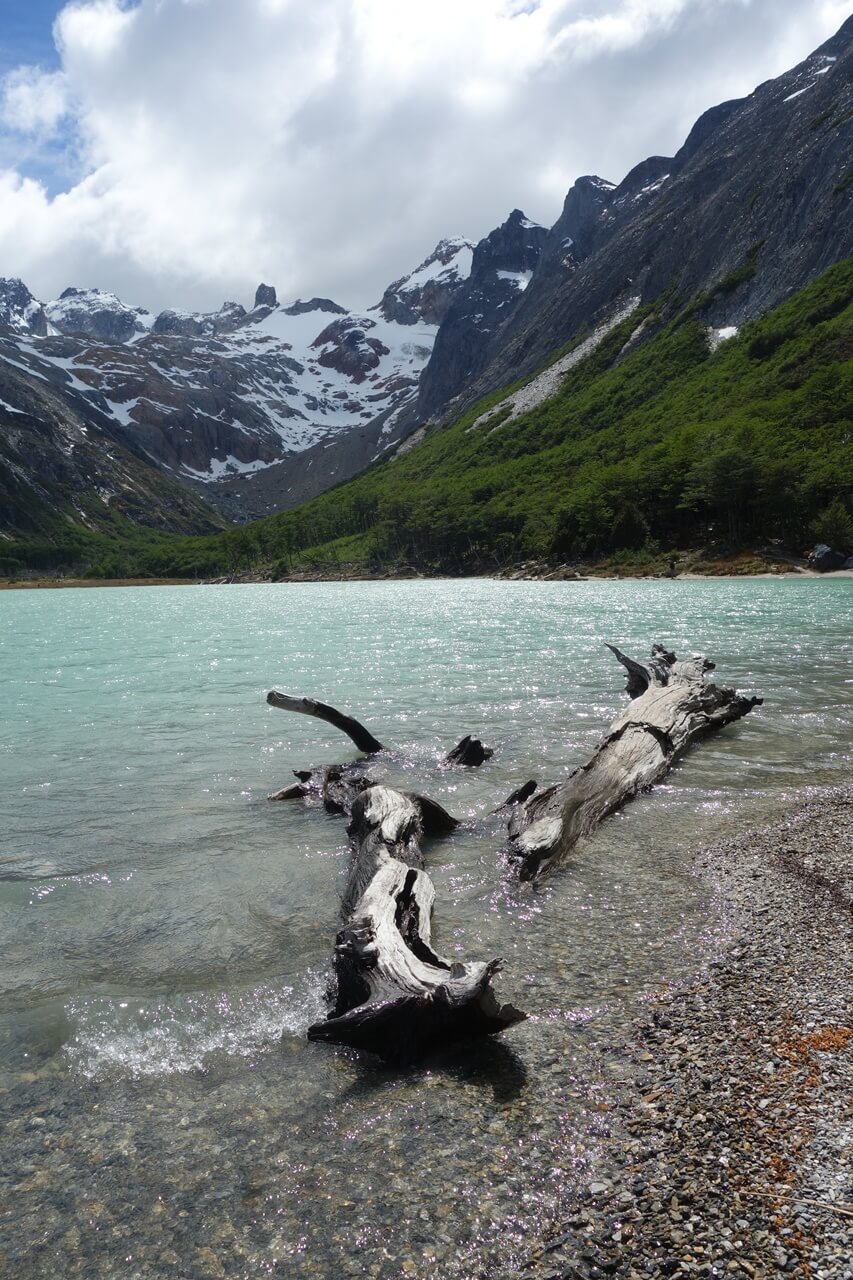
(669, 446)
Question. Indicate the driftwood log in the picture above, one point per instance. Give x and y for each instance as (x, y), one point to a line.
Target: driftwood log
(362, 737)
(469, 751)
(393, 994)
(671, 707)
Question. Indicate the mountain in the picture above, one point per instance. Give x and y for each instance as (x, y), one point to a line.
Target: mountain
(253, 409)
(756, 203)
(258, 409)
(502, 266)
(19, 310)
(693, 443)
(65, 463)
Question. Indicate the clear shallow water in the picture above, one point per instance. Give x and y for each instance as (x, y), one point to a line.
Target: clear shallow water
(166, 933)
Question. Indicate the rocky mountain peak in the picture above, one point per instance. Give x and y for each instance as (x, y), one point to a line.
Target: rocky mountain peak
(265, 296)
(515, 246)
(424, 296)
(573, 233)
(96, 314)
(300, 308)
(20, 310)
(502, 265)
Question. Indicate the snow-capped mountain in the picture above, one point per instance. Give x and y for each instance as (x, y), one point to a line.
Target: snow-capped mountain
(92, 313)
(19, 310)
(223, 397)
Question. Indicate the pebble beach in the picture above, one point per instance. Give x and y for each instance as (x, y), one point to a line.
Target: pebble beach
(729, 1149)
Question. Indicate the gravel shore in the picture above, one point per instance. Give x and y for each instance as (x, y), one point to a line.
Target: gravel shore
(729, 1150)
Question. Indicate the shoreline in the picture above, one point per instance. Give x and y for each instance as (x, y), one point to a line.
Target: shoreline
(730, 1145)
(530, 572)
(56, 584)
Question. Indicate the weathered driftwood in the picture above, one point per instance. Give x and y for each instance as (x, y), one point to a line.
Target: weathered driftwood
(395, 996)
(671, 707)
(362, 737)
(518, 796)
(469, 752)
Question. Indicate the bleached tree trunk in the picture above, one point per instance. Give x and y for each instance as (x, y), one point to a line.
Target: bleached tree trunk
(672, 706)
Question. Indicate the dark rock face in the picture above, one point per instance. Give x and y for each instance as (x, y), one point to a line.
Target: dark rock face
(502, 265)
(424, 296)
(200, 324)
(573, 234)
(265, 296)
(345, 347)
(300, 308)
(754, 205)
(20, 310)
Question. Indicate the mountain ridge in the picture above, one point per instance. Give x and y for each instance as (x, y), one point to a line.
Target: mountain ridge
(752, 206)
(257, 410)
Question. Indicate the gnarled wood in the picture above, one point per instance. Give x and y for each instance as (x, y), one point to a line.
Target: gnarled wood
(516, 797)
(470, 752)
(362, 737)
(395, 995)
(672, 706)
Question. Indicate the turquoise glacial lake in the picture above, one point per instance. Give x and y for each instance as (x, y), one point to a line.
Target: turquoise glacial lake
(166, 932)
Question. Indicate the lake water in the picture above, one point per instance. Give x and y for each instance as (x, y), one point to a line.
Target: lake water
(166, 932)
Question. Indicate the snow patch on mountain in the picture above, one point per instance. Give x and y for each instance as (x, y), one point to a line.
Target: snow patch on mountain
(718, 336)
(521, 279)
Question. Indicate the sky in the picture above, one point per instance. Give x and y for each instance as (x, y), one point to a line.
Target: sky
(178, 152)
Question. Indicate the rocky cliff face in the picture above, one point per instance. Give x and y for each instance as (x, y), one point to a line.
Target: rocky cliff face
(424, 297)
(502, 265)
(754, 205)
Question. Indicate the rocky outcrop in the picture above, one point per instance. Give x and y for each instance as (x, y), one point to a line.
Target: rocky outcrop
(186, 324)
(92, 313)
(300, 308)
(502, 265)
(19, 310)
(345, 347)
(425, 296)
(825, 559)
(265, 296)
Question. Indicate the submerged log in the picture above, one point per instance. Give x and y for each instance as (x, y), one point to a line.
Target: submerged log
(671, 707)
(470, 752)
(396, 996)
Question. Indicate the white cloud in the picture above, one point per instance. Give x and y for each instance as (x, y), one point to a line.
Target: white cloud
(325, 145)
(33, 101)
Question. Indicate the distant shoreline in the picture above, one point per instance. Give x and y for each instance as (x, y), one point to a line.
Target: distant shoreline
(591, 575)
(50, 584)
